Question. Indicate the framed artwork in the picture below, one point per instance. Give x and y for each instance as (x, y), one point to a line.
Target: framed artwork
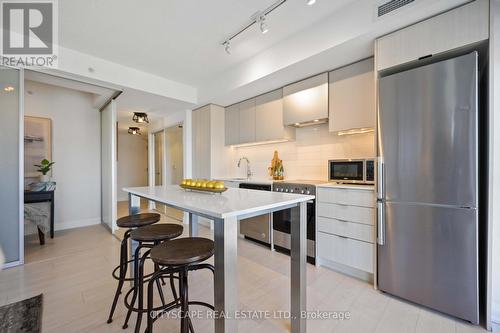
(37, 143)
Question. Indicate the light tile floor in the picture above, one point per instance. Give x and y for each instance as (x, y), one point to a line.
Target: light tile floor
(73, 272)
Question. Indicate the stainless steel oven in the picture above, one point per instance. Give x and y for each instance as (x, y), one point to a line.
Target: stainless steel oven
(352, 171)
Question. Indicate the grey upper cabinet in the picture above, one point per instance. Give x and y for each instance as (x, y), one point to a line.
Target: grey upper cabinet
(247, 121)
(352, 97)
(456, 28)
(232, 125)
(306, 100)
(269, 118)
(201, 142)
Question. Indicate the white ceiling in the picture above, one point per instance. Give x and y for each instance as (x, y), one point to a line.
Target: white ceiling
(180, 40)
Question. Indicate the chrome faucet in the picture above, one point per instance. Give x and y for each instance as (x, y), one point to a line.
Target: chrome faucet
(249, 172)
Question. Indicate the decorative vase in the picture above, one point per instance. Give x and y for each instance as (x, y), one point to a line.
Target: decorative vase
(44, 178)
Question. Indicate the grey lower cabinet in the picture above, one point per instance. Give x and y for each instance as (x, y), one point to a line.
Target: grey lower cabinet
(346, 230)
(257, 120)
(352, 97)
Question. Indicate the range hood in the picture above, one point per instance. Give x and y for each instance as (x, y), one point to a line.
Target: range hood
(305, 102)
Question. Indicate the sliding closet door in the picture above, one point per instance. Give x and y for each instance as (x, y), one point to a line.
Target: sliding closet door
(108, 166)
(11, 149)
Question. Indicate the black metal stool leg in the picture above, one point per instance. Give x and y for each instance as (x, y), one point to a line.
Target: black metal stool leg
(172, 286)
(184, 301)
(140, 292)
(150, 318)
(136, 285)
(123, 274)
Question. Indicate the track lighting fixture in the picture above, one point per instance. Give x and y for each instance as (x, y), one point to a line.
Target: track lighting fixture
(310, 2)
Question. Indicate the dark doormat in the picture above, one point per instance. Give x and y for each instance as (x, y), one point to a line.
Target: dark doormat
(23, 316)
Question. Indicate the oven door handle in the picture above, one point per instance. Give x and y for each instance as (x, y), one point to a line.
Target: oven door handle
(310, 201)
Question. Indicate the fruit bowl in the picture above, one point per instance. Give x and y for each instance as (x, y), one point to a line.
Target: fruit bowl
(203, 185)
(204, 189)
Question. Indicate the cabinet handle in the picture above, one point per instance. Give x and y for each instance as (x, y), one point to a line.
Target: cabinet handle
(381, 223)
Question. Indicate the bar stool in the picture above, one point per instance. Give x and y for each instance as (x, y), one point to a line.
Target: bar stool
(129, 222)
(179, 256)
(148, 237)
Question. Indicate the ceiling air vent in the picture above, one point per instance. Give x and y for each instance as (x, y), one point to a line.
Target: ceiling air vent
(390, 6)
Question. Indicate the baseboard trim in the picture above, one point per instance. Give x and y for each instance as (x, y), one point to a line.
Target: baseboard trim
(495, 312)
(77, 224)
(12, 264)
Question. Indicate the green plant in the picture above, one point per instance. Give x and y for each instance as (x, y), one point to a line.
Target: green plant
(44, 166)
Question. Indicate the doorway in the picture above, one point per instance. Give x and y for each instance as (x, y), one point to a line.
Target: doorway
(168, 164)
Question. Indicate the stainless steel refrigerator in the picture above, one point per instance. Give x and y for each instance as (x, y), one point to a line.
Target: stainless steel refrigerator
(427, 207)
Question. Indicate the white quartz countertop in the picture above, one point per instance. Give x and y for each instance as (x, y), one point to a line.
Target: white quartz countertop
(232, 203)
(348, 186)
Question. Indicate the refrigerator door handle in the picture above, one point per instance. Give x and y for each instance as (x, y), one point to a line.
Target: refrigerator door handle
(381, 179)
(380, 222)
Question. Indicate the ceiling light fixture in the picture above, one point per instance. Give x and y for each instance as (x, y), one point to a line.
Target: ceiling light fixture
(227, 46)
(134, 130)
(140, 117)
(258, 18)
(263, 25)
(310, 2)
(9, 89)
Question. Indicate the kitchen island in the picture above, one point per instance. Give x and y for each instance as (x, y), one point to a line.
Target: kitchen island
(226, 210)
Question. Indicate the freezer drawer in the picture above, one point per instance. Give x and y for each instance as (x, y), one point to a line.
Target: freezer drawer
(430, 257)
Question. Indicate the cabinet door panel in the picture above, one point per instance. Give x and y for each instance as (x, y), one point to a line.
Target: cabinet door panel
(247, 121)
(201, 143)
(352, 97)
(456, 28)
(269, 116)
(306, 100)
(232, 125)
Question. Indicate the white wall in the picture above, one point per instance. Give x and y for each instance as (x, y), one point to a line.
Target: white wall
(75, 149)
(304, 158)
(495, 157)
(132, 165)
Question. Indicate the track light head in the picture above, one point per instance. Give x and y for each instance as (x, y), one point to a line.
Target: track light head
(263, 25)
(310, 2)
(227, 46)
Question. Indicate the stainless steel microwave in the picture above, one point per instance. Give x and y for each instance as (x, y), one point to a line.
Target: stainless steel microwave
(352, 171)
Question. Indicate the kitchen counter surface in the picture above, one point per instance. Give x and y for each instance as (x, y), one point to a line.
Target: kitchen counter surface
(233, 202)
(348, 186)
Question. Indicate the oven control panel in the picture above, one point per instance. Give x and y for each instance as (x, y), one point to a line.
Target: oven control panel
(294, 188)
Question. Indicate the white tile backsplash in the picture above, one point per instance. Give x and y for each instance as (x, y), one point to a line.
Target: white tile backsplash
(306, 157)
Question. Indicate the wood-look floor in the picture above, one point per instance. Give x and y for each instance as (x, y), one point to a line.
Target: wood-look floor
(73, 271)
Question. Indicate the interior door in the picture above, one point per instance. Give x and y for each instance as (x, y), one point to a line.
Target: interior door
(11, 164)
(108, 166)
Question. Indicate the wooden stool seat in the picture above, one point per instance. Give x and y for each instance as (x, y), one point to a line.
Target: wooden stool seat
(183, 251)
(156, 232)
(138, 220)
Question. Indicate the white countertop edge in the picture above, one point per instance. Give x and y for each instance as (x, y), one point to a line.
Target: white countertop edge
(298, 198)
(348, 186)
